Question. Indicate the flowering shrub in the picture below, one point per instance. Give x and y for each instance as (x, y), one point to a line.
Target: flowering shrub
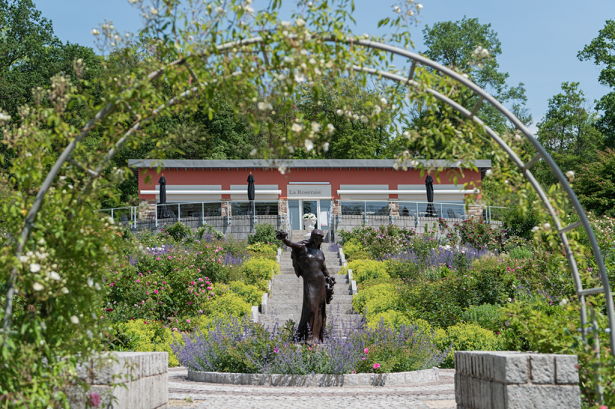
(379, 241)
(480, 235)
(351, 247)
(264, 233)
(383, 291)
(239, 345)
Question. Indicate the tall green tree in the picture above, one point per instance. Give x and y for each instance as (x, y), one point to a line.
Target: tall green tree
(453, 44)
(601, 51)
(595, 184)
(567, 132)
(30, 54)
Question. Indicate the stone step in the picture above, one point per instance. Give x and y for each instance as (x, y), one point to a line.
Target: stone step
(274, 309)
(286, 278)
(283, 317)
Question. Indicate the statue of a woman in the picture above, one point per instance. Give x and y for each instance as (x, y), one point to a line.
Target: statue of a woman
(309, 263)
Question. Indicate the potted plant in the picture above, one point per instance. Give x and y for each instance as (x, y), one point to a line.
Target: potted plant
(309, 220)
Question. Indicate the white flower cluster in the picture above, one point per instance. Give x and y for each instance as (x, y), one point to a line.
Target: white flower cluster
(44, 275)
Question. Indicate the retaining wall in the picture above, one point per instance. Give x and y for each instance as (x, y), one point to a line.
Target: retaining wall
(135, 380)
(506, 380)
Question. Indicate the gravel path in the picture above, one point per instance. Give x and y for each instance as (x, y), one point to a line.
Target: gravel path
(187, 394)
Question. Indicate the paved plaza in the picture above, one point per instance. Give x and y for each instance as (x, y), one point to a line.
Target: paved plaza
(187, 394)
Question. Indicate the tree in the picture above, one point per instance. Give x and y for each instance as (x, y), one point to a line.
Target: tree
(30, 54)
(453, 44)
(567, 132)
(601, 51)
(595, 184)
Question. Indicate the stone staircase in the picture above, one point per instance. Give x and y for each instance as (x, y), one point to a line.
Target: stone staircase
(285, 300)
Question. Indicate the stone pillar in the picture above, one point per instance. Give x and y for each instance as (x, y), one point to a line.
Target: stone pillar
(475, 211)
(486, 379)
(225, 209)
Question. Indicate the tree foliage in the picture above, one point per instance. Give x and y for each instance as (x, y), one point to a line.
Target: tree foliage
(601, 50)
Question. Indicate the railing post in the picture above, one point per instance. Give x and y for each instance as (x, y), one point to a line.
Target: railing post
(203, 213)
(156, 215)
(179, 212)
(112, 215)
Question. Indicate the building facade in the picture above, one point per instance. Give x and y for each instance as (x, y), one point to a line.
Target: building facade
(325, 188)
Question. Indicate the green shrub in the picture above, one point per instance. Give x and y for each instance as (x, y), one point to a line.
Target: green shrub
(519, 253)
(486, 315)
(269, 251)
(208, 230)
(466, 337)
(363, 270)
(264, 233)
(178, 231)
(359, 255)
(249, 293)
(384, 291)
(260, 270)
(351, 247)
(227, 305)
(145, 336)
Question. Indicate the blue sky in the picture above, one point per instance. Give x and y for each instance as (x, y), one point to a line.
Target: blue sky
(540, 38)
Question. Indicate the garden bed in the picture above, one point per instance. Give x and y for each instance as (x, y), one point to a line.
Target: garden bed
(317, 380)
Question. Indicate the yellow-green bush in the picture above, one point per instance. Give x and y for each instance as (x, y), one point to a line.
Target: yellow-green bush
(383, 291)
(359, 255)
(352, 246)
(249, 293)
(466, 337)
(363, 270)
(268, 251)
(390, 318)
(151, 337)
(260, 270)
(228, 304)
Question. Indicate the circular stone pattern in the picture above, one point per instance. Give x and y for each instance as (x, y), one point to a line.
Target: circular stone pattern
(317, 380)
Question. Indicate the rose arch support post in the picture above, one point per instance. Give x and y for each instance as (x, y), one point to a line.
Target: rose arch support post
(483, 97)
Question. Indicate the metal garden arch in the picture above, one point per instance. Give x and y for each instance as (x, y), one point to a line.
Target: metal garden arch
(483, 96)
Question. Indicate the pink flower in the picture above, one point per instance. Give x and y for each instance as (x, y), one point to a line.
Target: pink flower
(155, 291)
(147, 292)
(192, 282)
(112, 284)
(364, 358)
(138, 281)
(94, 399)
(164, 282)
(200, 279)
(174, 329)
(209, 288)
(156, 259)
(201, 311)
(188, 321)
(376, 365)
(170, 257)
(366, 351)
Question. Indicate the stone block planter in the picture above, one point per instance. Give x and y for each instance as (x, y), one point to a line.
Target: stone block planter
(136, 380)
(505, 380)
(317, 380)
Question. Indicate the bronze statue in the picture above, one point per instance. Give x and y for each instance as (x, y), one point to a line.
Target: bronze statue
(309, 263)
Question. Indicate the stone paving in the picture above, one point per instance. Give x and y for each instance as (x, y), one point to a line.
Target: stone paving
(187, 394)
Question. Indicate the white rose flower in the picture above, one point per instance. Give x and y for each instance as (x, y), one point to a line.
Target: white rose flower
(261, 106)
(406, 135)
(419, 6)
(300, 22)
(35, 268)
(563, 302)
(95, 32)
(570, 175)
(37, 286)
(330, 128)
(484, 53)
(396, 9)
(364, 119)
(253, 152)
(546, 226)
(325, 146)
(296, 128)
(489, 172)
(65, 290)
(299, 78)
(153, 11)
(535, 229)
(289, 59)
(74, 319)
(285, 23)
(55, 276)
(339, 112)
(23, 259)
(383, 100)
(315, 127)
(309, 145)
